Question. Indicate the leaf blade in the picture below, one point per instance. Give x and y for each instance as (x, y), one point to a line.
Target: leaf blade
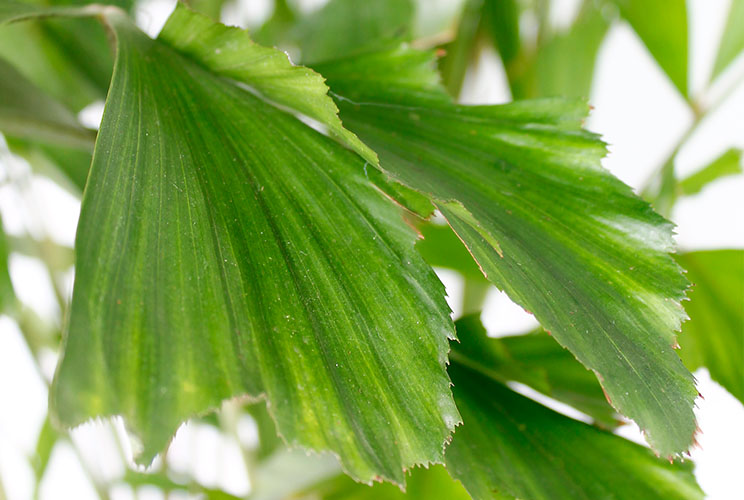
(210, 266)
(713, 335)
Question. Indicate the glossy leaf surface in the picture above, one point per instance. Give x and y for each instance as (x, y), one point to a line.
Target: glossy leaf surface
(714, 335)
(250, 256)
(522, 186)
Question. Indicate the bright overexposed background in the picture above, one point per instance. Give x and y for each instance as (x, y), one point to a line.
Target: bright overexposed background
(636, 110)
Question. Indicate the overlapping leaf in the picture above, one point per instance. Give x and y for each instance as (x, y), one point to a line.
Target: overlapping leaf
(229, 52)
(69, 59)
(537, 361)
(225, 248)
(347, 27)
(522, 186)
(422, 484)
(511, 447)
(714, 335)
(26, 111)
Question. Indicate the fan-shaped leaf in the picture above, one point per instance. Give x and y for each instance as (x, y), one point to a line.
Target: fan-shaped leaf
(225, 248)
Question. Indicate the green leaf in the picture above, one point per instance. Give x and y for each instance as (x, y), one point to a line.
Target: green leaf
(441, 247)
(511, 447)
(662, 26)
(422, 484)
(27, 112)
(229, 52)
(732, 41)
(346, 27)
(714, 335)
(69, 59)
(522, 186)
(6, 287)
(459, 53)
(729, 163)
(268, 439)
(535, 360)
(251, 256)
(502, 18)
(565, 63)
(277, 27)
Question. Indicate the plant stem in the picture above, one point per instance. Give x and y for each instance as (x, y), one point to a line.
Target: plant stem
(665, 196)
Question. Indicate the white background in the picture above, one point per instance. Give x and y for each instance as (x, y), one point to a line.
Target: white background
(636, 110)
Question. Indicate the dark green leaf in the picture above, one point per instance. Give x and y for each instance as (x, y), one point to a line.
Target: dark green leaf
(511, 447)
(729, 163)
(502, 20)
(714, 335)
(250, 256)
(421, 484)
(662, 25)
(732, 41)
(69, 59)
(522, 186)
(27, 112)
(459, 53)
(537, 361)
(346, 27)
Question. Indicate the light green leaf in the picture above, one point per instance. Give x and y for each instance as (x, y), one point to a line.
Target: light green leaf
(522, 186)
(343, 28)
(251, 256)
(422, 484)
(27, 112)
(662, 26)
(6, 288)
(537, 361)
(511, 447)
(714, 335)
(230, 52)
(732, 41)
(565, 63)
(729, 163)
